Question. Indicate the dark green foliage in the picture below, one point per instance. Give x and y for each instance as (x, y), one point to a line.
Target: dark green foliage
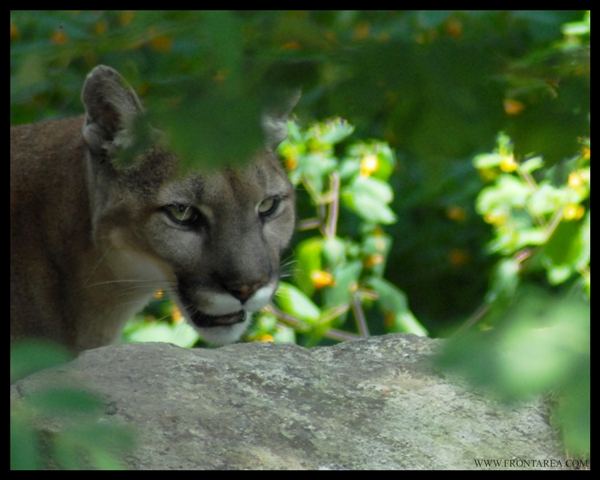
(454, 220)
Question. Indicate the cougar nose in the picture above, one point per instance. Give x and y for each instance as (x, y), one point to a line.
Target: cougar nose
(243, 291)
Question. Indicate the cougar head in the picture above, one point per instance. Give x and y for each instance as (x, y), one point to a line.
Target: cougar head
(213, 237)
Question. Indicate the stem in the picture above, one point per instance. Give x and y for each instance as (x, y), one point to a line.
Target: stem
(334, 205)
(534, 186)
(473, 319)
(308, 224)
(296, 323)
(554, 222)
(359, 316)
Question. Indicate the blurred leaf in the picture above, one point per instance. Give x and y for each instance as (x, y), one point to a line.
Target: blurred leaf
(573, 413)
(29, 356)
(104, 460)
(230, 132)
(541, 344)
(24, 449)
(504, 280)
(291, 300)
(61, 401)
(67, 454)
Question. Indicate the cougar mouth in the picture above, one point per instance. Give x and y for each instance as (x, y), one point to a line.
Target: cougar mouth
(204, 320)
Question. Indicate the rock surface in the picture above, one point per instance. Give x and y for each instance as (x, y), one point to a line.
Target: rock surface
(367, 404)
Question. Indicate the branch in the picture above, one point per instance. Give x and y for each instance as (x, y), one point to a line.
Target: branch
(334, 206)
(359, 316)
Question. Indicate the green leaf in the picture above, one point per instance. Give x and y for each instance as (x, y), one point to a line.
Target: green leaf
(64, 401)
(308, 254)
(547, 200)
(504, 280)
(540, 344)
(573, 413)
(29, 356)
(345, 277)
(222, 141)
(392, 300)
(293, 301)
(406, 322)
(567, 250)
(386, 161)
(331, 131)
(181, 334)
(368, 208)
(67, 454)
(24, 448)
(487, 160)
(372, 187)
(103, 460)
(284, 334)
(531, 165)
(334, 251)
(314, 168)
(507, 192)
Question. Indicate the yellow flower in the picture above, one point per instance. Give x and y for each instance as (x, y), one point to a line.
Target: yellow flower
(573, 211)
(291, 163)
(368, 165)
(126, 17)
(575, 180)
(161, 43)
(389, 319)
(495, 218)
(292, 45)
(373, 260)
(321, 279)
(513, 107)
(14, 31)
(508, 164)
(454, 28)
(361, 31)
(265, 337)
(100, 27)
(458, 257)
(585, 151)
(456, 213)
(59, 37)
(176, 315)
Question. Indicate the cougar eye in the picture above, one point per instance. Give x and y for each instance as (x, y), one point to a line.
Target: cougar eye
(182, 214)
(269, 206)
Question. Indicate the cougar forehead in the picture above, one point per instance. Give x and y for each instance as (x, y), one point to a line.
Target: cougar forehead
(228, 188)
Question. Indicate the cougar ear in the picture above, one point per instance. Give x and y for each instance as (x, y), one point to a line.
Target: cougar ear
(274, 119)
(110, 108)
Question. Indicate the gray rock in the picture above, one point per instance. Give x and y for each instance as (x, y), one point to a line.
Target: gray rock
(367, 404)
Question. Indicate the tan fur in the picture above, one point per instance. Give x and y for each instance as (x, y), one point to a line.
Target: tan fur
(91, 242)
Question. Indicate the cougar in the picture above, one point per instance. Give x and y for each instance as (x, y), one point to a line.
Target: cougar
(92, 240)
